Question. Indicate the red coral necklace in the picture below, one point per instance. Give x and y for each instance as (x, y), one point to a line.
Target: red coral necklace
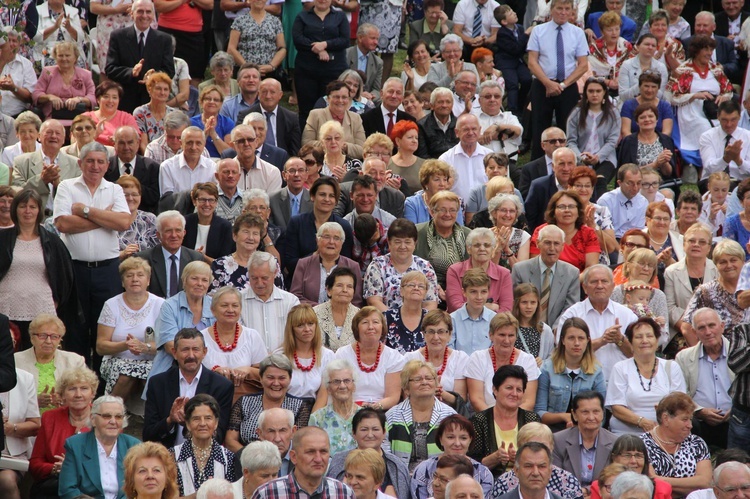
(362, 367)
(445, 360)
(493, 356)
(300, 366)
(227, 348)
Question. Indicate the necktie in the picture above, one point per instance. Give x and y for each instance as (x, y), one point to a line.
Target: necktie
(572, 375)
(141, 44)
(727, 140)
(390, 124)
(544, 298)
(295, 206)
(476, 29)
(560, 56)
(628, 204)
(127, 169)
(270, 135)
(173, 276)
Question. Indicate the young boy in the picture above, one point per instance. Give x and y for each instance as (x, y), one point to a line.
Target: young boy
(471, 322)
(714, 211)
(511, 47)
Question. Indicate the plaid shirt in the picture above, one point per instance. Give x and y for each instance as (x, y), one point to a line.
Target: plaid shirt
(288, 488)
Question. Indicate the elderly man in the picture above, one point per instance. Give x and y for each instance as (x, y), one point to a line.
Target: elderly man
(170, 144)
(463, 486)
(467, 156)
(724, 53)
(181, 172)
(451, 49)
(389, 199)
(547, 271)
(501, 130)
(533, 467)
(730, 478)
(364, 194)
(283, 124)
(553, 138)
(437, 130)
(215, 488)
(626, 203)
(44, 169)
(606, 318)
(267, 152)
(387, 114)
(255, 173)
(127, 161)
(169, 258)
(362, 57)
(264, 306)
(89, 212)
(293, 199)
(248, 77)
(708, 378)
(17, 77)
(310, 454)
(726, 148)
(277, 426)
(260, 463)
(465, 93)
(730, 19)
(542, 189)
(229, 206)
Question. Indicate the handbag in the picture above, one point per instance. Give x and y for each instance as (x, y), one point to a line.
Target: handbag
(68, 114)
(710, 110)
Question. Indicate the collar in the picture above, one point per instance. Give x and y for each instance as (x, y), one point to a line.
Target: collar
(167, 254)
(463, 314)
(360, 54)
(543, 267)
(460, 149)
(426, 27)
(250, 294)
(702, 352)
(103, 452)
(546, 494)
(295, 486)
(121, 163)
(138, 33)
(182, 163)
(589, 307)
(580, 441)
(197, 376)
(237, 193)
(47, 159)
(272, 111)
(385, 112)
(621, 197)
(103, 184)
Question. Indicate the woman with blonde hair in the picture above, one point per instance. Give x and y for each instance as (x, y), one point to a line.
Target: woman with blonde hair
(435, 176)
(364, 471)
(150, 460)
(336, 162)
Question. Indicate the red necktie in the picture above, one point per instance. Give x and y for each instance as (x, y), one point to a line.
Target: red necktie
(390, 124)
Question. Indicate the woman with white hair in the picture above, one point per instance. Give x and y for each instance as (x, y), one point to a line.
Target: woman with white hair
(260, 463)
(256, 201)
(512, 244)
(221, 66)
(632, 485)
(340, 380)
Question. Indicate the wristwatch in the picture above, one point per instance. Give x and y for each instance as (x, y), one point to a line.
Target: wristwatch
(86, 212)
(562, 85)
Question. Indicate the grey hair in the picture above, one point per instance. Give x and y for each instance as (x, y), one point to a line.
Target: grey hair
(243, 128)
(705, 13)
(264, 414)
(490, 84)
(169, 215)
(463, 475)
(440, 91)
(598, 266)
(701, 311)
(176, 119)
(254, 118)
(122, 129)
(630, 481)
(30, 118)
(260, 258)
(350, 73)
(276, 360)
(547, 131)
(728, 247)
(497, 201)
(332, 226)
(365, 27)
(110, 399)
(463, 71)
(550, 230)
(93, 146)
(393, 80)
(451, 38)
(337, 365)
(480, 233)
(221, 59)
(251, 194)
(190, 129)
(260, 455)
(732, 466)
(216, 487)
(225, 290)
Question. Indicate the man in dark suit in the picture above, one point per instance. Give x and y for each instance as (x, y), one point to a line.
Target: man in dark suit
(383, 117)
(284, 123)
(533, 467)
(292, 199)
(587, 415)
(362, 57)
(552, 139)
(389, 199)
(133, 51)
(730, 19)
(166, 395)
(267, 152)
(724, 52)
(542, 189)
(127, 161)
(433, 139)
(7, 363)
(169, 258)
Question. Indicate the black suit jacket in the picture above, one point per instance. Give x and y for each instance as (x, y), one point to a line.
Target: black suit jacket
(725, 55)
(219, 241)
(281, 210)
(7, 363)
(123, 55)
(162, 391)
(722, 22)
(288, 134)
(372, 120)
(530, 172)
(155, 258)
(147, 172)
(509, 50)
(274, 155)
(540, 192)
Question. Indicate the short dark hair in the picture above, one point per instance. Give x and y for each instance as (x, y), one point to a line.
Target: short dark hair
(335, 86)
(644, 36)
(364, 182)
(729, 106)
(533, 447)
(649, 77)
(460, 464)
(743, 189)
(23, 197)
(512, 371)
(188, 333)
(413, 46)
(698, 43)
(433, 3)
(642, 108)
(727, 455)
(199, 400)
(586, 395)
(339, 272)
(248, 65)
(630, 443)
(325, 181)
(367, 413)
(364, 227)
(106, 86)
(455, 420)
(401, 227)
(690, 197)
(642, 320)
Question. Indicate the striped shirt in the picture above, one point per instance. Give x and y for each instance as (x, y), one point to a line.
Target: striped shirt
(739, 362)
(288, 488)
(269, 317)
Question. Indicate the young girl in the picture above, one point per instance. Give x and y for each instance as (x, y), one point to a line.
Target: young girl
(637, 297)
(534, 336)
(714, 210)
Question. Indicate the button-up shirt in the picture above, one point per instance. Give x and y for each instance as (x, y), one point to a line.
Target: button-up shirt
(470, 335)
(459, 105)
(121, 165)
(233, 106)
(21, 71)
(159, 151)
(288, 488)
(187, 389)
(626, 213)
(176, 176)
(467, 9)
(108, 470)
(588, 458)
(543, 40)
(267, 317)
(502, 118)
(469, 169)
(361, 61)
(713, 382)
(229, 208)
(712, 143)
(261, 175)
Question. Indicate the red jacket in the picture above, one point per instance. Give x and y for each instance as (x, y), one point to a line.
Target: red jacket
(50, 441)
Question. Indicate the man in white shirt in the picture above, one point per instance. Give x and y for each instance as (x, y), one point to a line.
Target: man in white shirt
(170, 144)
(726, 147)
(255, 173)
(364, 196)
(467, 156)
(474, 22)
(626, 203)
(465, 93)
(607, 319)
(89, 212)
(501, 131)
(264, 306)
(181, 172)
(17, 78)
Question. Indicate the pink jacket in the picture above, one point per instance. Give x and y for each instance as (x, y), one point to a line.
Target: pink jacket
(501, 286)
(50, 82)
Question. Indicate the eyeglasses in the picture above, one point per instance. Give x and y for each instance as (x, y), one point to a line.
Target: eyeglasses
(744, 488)
(212, 99)
(295, 171)
(633, 245)
(469, 83)
(447, 211)
(582, 186)
(608, 488)
(507, 211)
(82, 128)
(554, 141)
(242, 141)
(630, 455)
(649, 185)
(699, 242)
(328, 237)
(205, 200)
(109, 417)
(311, 162)
(566, 207)
(422, 379)
(481, 245)
(45, 336)
(440, 479)
(436, 332)
(337, 382)
(414, 285)
(645, 265)
(379, 154)
(660, 219)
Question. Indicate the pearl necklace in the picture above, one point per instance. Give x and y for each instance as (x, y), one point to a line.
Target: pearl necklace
(230, 346)
(359, 359)
(493, 356)
(445, 360)
(305, 368)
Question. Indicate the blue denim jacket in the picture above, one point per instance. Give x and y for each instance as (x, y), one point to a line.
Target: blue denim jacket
(553, 394)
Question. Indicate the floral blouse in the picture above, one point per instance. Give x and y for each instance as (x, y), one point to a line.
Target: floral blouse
(382, 279)
(148, 124)
(257, 42)
(339, 429)
(399, 337)
(141, 232)
(681, 464)
(227, 272)
(678, 51)
(713, 295)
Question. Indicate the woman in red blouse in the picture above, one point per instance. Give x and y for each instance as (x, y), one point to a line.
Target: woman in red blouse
(566, 210)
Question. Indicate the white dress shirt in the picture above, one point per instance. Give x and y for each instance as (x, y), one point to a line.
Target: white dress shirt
(626, 213)
(459, 105)
(465, 12)
(187, 390)
(262, 175)
(108, 470)
(176, 176)
(712, 143)
(502, 118)
(469, 169)
(269, 317)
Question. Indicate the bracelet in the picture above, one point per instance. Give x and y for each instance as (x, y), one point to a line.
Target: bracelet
(15, 428)
(638, 423)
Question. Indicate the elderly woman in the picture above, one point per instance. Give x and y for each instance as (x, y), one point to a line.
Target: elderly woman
(76, 389)
(200, 456)
(275, 377)
(632, 404)
(605, 480)
(205, 231)
(412, 424)
(479, 245)
(483, 364)
(352, 134)
(666, 243)
(261, 463)
(257, 37)
(378, 365)
(107, 422)
(337, 162)
(150, 116)
(45, 360)
(142, 233)
(669, 51)
(582, 181)
(683, 278)
(335, 314)
(641, 265)
(339, 379)
(414, 104)
(608, 53)
(695, 84)
(677, 456)
(434, 176)
(36, 272)
(150, 471)
(354, 82)
(301, 233)
(313, 154)
(189, 308)
(628, 80)
(496, 166)
(27, 126)
(404, 322)
(405, 135)
(648, 147)
(257, 202)
(107, 117)
(649, 85)
(82, 132)
(632, 485)
(216, 127)
(573, 353)
(442, 241)
(720, 293)
(57, 23)
(221, 66)
(509, 383)
(737, 227)
(512, 243)
(64, 90)
(364, 471)
(566, 211)
(125, 336)
(312, 271)
(417, 65)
